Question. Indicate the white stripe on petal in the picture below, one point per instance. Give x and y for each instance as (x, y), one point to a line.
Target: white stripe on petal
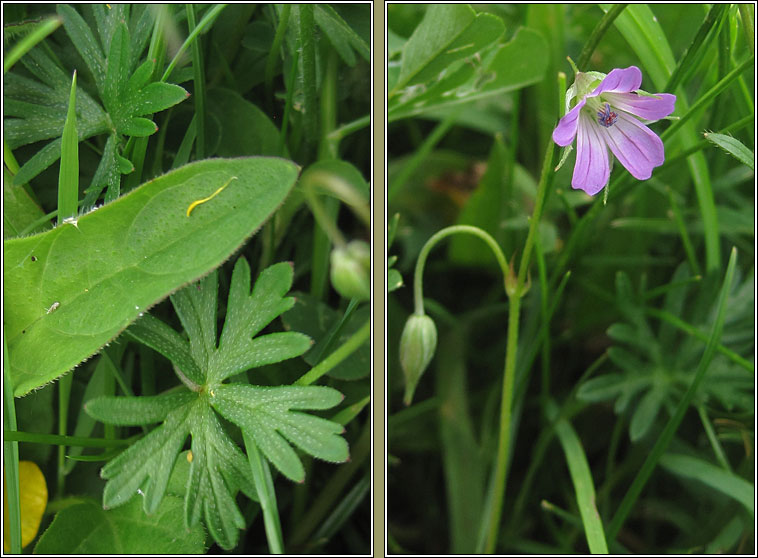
(634, 145)
(591, 171)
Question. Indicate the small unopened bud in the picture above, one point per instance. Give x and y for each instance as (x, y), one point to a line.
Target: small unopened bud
(417, 346)
(350, 271)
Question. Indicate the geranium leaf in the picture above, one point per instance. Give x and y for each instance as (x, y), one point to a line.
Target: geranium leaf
(267, 414)
(151, 458)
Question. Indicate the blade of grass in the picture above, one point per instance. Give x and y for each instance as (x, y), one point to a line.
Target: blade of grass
(344, 510)
(307, 47)
(264, 486)
(707, 97)
(10, 457)
(713, 438)
(698, 46)
(673, 424)
(68, 177)
(584, 487)
(199, 80)
(273, 53)
(27, 43)
(207, 20)
(723, 481)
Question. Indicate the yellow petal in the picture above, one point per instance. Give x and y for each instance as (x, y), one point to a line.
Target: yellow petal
(33, 503)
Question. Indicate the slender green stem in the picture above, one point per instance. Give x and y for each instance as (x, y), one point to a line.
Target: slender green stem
(273, 53)
(64, 399)
(306, 41)
(328, 148)
(346, 129)
(686, 61)
(199, 80)
(712, 438)
(418, 294)
(264, 486)
(495, 510)
(10, 457)
(708, 97)
(345, 350)
(205, 22)
(323, 219)
(597, 33)
(54, 439)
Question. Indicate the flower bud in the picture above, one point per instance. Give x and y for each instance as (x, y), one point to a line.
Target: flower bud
(417, 346)
(350, 271)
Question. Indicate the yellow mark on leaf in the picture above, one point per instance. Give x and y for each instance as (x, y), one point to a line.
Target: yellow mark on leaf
(189, 456)
(195, 203)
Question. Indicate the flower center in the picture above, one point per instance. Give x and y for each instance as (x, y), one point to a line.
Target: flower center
(606, 117)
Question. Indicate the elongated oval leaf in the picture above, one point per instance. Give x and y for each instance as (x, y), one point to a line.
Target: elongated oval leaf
(72, 289)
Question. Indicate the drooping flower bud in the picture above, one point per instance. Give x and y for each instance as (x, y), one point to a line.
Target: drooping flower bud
(350, 271)
(417, 346)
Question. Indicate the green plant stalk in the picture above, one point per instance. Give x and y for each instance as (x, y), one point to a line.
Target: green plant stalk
(308, 60)
(748, 25)
(686, 61)
(712, 93)
(346, 129)
(27, 43)
(199, 79)
(54, 440)
(495, 510)
(264, 486)
(673, 424)
(344, 351)
(288, 101)
(713, 439)
(68, 177)
(329, 149)
(10, 457)
(418, 288)
(205, 22)
(597, 34)
(324, 223)
(273, 53)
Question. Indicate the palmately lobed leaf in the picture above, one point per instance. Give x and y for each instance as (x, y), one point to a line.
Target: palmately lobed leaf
(266, 413)
(134, 411)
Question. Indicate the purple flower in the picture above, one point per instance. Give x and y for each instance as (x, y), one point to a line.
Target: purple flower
(606, 117)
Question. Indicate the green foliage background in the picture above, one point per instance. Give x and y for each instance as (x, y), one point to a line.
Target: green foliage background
(607, 352)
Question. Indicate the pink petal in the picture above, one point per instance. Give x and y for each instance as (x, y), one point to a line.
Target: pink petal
(634, 145)
(619, 81)
(564, 133)
(649, 108)
(591, 171)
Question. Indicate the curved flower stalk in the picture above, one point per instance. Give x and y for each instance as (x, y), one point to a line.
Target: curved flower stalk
(607, 116)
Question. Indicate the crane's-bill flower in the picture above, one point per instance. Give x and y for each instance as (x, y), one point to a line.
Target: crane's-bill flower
(607, 116)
